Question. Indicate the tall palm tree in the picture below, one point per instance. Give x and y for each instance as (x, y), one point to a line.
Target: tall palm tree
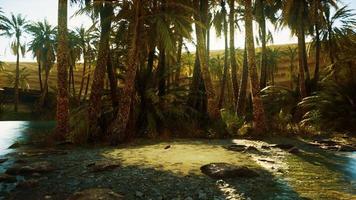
(62, 115)
(106, 13)
(118, 127)
(234, 67)
(259, 122)
(265, 10)
(212, 106)
(43, 46)
(14, 27)
(318, 9)
(295, 15)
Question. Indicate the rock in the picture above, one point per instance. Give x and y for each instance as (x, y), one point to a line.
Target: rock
(103, 165)
(37, 167)
(95, 194)
(7, 178)
(347, 148)
(27, 183)
(2, 160)
(284, 146)
(225, 170)
(167, 147)
(139, 194)
(15, 145)
(48, 197)
(236, 147)
(293, 150)
(252, 149)
(268, 161)
(328, 142)
(265, 147)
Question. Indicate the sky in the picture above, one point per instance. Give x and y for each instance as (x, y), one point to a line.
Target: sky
(38, 10)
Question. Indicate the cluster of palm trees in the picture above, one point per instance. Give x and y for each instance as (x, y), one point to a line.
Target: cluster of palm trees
(138, 43)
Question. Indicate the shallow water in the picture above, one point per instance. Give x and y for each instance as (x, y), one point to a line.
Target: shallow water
(13, 131)
(311, 174)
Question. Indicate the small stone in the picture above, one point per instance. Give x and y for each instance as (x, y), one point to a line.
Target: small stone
(266, 160)
(294, 150)
(48, 197)
(347, 148)
(7, 178)
(284, 146)
(236, 147)
(167, 147)
(103, 165)
(15, 145)
(2, 160)
(265, 147)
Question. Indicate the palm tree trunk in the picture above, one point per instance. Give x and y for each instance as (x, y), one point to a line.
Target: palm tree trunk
(179, 60)
(259, 122)
(317, 56)
(17, 78)
(118, 128)
(113, 83)
(83, 76)
(235, 84)
(223, 82)
(87, 82)
(302, 87)
(262, 24)
(62, 115)
(97, 86)
(45, 89)
(161, 69)
(40, 74)
(241, 103)
(212, 106)
(72, 82)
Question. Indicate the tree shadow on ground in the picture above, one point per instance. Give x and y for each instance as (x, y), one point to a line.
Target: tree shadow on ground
(144, 182)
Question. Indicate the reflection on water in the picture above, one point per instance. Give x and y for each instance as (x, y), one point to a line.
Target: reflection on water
(10, 131)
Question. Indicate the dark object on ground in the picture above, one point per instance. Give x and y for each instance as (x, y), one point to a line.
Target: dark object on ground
(284, 146)
(37, 167)
(294, 150)
(7, 178)
(167, 147)
(236, 147)
(347, 148)
(226, 170)
(15, 145)
(103, 165)
(96, 193)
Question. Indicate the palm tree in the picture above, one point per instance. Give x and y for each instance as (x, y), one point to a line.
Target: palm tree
(62, 115)
(118, 127)
(212, 106)
(14, 27)
(318, 9)
(106, 13)
(295, 15)
(241, 102)
(221, 25)
(43, 48)
(259, 123)
(233, 62)
(263, 10)
(291, 53)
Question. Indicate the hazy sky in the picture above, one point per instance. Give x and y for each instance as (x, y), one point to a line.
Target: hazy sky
(37, 10)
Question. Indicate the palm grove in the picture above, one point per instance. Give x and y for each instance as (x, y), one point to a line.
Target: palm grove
(139, 79)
